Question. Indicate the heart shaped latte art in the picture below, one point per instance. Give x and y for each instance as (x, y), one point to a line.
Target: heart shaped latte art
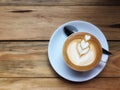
(83, 45)
(87, 37)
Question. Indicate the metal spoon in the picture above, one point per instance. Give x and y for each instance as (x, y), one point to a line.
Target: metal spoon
(69, 29)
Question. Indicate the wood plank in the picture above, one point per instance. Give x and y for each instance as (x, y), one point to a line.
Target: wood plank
(58, 84)
(30, 59)
(24, 59)
(38, 23)
(59, 2)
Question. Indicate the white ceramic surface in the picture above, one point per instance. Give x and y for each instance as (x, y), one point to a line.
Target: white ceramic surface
(55, 52)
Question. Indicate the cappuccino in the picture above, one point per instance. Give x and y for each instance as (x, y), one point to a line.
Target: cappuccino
(82, 51)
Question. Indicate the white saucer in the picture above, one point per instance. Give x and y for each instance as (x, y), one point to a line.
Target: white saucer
(55, 52)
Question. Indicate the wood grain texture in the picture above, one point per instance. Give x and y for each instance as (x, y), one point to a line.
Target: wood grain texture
(58, 84)
(59, 2)
(25, 29)
(24, 59)
(30, 59)
(38, 23)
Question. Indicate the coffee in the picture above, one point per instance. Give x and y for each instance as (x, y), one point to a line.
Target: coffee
(82, 51)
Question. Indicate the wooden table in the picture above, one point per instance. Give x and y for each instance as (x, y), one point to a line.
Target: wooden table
(25, 29)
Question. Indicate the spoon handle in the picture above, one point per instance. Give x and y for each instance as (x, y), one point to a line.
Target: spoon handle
(106, 52)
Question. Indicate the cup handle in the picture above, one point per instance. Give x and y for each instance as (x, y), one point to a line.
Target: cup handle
(104, 58)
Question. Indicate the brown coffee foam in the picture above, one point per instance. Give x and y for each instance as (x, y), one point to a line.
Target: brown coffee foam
(93, 40)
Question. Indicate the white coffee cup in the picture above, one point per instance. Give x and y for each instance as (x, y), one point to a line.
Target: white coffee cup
(82, 51)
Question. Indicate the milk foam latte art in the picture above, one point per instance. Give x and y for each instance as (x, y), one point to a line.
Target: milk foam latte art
(82, 51)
